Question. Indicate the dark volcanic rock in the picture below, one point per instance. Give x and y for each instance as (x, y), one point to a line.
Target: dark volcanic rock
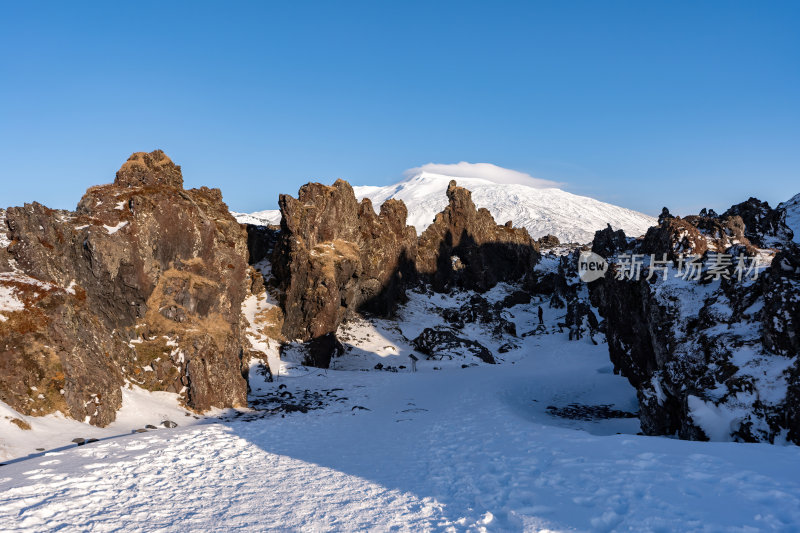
(548, 241)
(261, 241)
(608, 242)
(464, 247)
(478, 310)
(780, 320)
(318, 351)
(440, 343)
(709, 358)
(142, 283)
(695, 235)
(764, 226)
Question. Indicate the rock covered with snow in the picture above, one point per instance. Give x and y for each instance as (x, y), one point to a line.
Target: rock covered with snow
(696, 235)
(791, 208)
(716, 357)
(142, 284)
(764, 227)
(440, 343)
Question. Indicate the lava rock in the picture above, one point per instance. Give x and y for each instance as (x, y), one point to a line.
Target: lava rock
(141, 259)
(440, 343)
(464, 247)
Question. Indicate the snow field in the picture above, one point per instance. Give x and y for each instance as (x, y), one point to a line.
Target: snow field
(456, 449)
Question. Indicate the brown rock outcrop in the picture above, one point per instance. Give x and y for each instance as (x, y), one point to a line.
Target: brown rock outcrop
(695, 234)
(464, 247)
(143, 283)
(152, 169)
(335, 255)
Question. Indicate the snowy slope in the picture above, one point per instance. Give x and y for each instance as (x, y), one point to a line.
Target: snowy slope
(793, 215)
(259, 218)
(569, 217)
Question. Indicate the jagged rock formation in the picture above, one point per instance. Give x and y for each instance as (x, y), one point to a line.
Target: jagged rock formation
(143, 283)
(710, 358)
(335, 256)
(764, 226)
(464, 247)
(608, 242)
(695, 235)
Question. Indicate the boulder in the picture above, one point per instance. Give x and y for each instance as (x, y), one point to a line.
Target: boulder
(548, 241)
(439, 343)
(152, 169)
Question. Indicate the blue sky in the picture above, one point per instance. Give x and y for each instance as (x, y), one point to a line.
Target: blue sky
(641, 104)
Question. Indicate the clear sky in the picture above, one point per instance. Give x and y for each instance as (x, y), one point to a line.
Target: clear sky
(642, 104)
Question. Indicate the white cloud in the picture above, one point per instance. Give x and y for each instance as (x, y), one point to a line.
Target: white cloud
(486, 171)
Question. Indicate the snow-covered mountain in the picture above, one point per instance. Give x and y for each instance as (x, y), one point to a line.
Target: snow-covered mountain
(259, 218)
(792, 208)
(542, 211)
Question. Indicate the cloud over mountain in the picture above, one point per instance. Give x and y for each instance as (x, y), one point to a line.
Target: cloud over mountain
(485, 171)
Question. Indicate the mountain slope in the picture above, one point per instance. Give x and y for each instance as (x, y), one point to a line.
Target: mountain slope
(792, 208)
(569, 217)
(259, 218)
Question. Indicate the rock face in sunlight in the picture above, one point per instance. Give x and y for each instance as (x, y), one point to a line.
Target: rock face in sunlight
(142, 283)
(335, 256)
(764, 226)
(714, 358)
(695, 235)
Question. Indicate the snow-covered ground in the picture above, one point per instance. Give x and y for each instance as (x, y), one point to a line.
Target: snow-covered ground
(453, 449)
